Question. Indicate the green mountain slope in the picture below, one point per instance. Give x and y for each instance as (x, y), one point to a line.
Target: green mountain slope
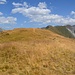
(61, 30)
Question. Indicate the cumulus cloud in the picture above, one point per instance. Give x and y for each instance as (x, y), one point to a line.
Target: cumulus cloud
(72, 13)
(17, 4)
(41, 13)
(20, 5)
(42, 5)
(1, 13)
(7, 20)
(3, 1)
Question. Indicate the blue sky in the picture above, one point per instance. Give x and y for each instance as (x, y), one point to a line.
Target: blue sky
(36, 13)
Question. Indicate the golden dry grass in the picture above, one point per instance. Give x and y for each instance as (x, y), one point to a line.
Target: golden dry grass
(36, 52)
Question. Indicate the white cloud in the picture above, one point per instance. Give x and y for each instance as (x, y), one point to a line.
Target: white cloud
(41, 14)
(72, 13)
(42, 5)
(1, 13)
(20, 5)
(3, 1)
(16, 4)
(32, 11)
(7, 20)
(25, 4)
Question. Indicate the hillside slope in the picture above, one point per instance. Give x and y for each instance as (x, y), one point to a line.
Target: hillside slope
(61, 30)
(36, 52)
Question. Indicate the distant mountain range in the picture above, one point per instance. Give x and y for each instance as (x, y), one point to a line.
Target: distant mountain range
(67, 31)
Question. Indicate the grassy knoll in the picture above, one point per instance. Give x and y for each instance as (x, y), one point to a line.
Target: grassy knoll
(36, 52)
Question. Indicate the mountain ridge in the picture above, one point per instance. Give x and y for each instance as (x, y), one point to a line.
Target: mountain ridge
(67, 30)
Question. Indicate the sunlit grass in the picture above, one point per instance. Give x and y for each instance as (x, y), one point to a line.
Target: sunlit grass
(36, 52)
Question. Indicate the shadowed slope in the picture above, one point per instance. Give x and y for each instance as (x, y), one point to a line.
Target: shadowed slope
(61, 30)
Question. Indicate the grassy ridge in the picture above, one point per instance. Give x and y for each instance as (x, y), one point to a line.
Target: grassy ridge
(36, 52)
